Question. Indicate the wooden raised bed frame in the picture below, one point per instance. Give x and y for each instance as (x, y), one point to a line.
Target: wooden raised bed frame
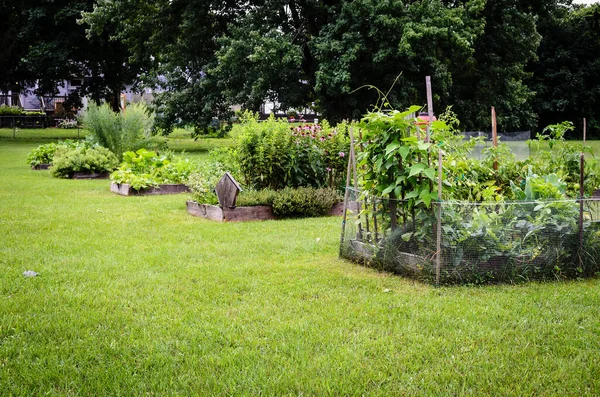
(242, 214)
(126, 190)
(90, 175)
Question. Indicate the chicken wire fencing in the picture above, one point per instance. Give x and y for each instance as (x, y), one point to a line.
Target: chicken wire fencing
(477, 242)
(516, 141)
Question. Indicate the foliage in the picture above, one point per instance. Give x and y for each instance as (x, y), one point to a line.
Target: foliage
(395, 162)
(566, 74)
(485, 236)
(316, 54)
(299, 202)
(68, 161)
(44, 43)
(202, 182)
(68, 123)
(144, 168)
(118, 132)
(251, 198)
(10, 110)
(304, 202)
(468, 179)
(272, 154)
(17, 111)
(44, 154)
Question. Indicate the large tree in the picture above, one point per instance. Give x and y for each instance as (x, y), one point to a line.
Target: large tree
(210, 54)
(566, 75)
(178, 41)
(44, 44)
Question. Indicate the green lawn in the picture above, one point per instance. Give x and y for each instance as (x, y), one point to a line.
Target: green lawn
(136, 297)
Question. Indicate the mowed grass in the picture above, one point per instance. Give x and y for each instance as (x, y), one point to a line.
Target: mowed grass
(136, 297)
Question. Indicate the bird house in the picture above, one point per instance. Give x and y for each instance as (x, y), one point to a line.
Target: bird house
(227, 191)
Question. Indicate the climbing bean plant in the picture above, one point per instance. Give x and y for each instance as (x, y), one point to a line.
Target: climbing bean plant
(396, 162)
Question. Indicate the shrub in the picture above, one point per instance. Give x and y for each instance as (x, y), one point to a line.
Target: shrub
(304, 202)
(202, 182)
(273, 155)
(293, 202)
(119, 132)
(44, 154)
(251, 198)
(17, 111)
(68, 161)
(10, 111)
(145, 168)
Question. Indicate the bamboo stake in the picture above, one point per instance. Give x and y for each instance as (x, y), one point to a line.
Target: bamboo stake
(494, 135)
(430, 116)
(429, 107)
(438, 259)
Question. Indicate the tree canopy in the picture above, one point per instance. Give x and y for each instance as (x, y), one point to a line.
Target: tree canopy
(205, 56)
(43, 44)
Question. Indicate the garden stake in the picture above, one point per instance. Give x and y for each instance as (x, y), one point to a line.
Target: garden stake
(360, 139)
(430, 116)
(353, 160)
(581, 193)
(494, 136)
(345, 209)
(429, 107)
(375, 222)
(438, 262)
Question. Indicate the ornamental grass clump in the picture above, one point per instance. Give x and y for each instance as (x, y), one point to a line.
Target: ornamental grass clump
(118, 132)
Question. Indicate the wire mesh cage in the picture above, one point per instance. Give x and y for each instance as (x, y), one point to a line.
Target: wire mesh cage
(477, 242)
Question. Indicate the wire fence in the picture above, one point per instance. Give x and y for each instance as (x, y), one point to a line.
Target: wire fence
(478, 242)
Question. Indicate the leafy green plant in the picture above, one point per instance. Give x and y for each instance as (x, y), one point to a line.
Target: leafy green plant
(250, 198)
(271, 154)
(17, 111)
(68, 161)
(203, 181)
(119, 132)
(10, 110)
(144, 168)
(304, 202)
(44, 154)
(396, 162)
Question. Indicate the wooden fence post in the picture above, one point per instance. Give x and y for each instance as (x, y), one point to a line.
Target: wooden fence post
(438, 258)
(581, 193)
(494, 136)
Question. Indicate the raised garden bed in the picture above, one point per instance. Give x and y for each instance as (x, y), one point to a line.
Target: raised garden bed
(242, 214)
(125, 189)
(41, 167)
(92, 175)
